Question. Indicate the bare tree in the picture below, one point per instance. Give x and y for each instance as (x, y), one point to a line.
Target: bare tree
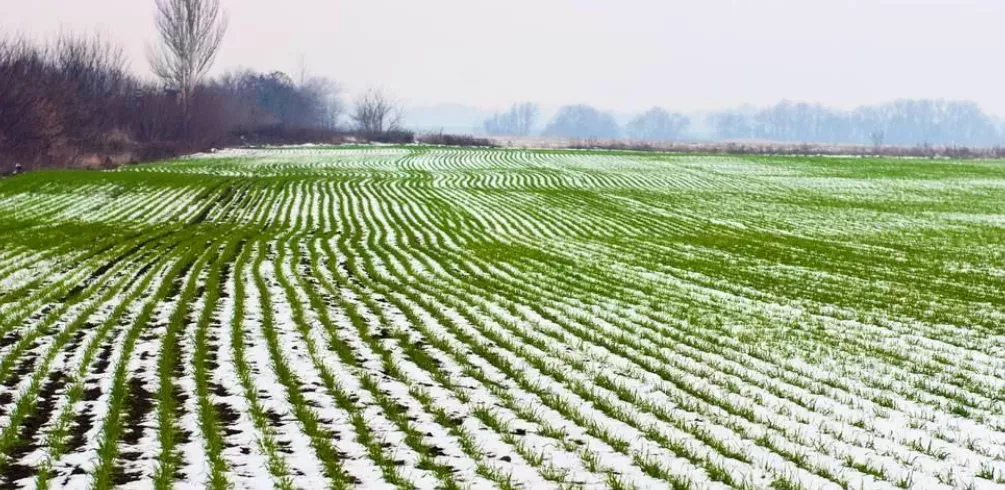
(327, 96)
(517, 121)
(29, 116)
(190, 32)
(526, 115)
(376, 114)
(94, 82)
(97, 66)
(877, 137)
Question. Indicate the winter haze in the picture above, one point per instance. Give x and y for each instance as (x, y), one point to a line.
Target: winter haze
(459, 60)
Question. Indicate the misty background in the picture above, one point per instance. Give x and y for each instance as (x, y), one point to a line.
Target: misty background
(902, 72)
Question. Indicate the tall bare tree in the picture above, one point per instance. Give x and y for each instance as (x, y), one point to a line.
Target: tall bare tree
(525, 116)
(375, 114)
(190, 32)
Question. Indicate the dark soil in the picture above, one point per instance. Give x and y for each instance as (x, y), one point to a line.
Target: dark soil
(139, 402)
(30, 428)
(82, 423)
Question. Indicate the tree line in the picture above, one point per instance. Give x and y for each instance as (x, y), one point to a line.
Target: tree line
(583, 121)
(73, 100)
(900, 123)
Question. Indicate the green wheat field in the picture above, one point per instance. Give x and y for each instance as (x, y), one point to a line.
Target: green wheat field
(424, 317)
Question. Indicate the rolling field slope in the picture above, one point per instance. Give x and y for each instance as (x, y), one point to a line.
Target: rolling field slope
(448, 318)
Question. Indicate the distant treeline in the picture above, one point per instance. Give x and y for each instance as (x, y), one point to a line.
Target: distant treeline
(900, 123)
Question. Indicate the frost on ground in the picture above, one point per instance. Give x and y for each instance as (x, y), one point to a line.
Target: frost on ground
(416, 317)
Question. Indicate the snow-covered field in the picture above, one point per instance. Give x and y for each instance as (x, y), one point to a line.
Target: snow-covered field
(416, 317)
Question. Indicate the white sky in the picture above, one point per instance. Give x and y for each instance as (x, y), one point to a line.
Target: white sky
(622, 55)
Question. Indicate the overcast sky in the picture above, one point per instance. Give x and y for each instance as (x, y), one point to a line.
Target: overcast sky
(624, 55)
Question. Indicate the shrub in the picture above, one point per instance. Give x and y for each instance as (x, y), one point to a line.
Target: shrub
(454, 140)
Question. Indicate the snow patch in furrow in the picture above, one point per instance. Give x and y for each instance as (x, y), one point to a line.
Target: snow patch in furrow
(139, 445)
(612, 460)
(305, 468)
(81, 414)
(246, 464)
(356, 461)
(74, 469)
(69, 364)
(370, 365)
(479, 396)
(195, 466)
(26, 364)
